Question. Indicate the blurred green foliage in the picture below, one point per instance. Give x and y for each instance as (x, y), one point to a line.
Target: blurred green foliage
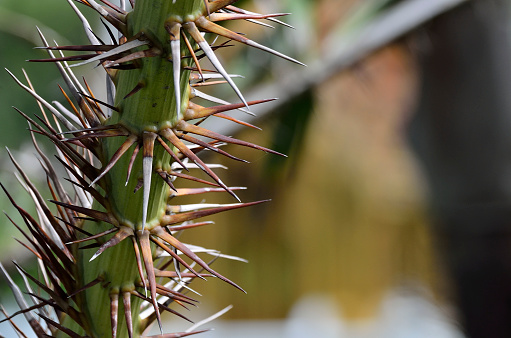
(18, 36)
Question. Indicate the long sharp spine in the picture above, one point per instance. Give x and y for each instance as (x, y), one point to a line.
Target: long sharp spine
(147, 170)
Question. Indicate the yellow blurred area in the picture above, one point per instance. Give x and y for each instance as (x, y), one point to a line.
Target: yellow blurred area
(347, 216)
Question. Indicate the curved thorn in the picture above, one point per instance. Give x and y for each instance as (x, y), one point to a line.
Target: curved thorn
(217, 29)
(190, 128)
(172, 138)
(196, 111)
(191, 215)
(120, 236)
(43, 102)
(88, 48)
(194, 57)
(95, 214)
(196, 191)
(192, 178)
(166, 178)
(90, 238)
(163, 307)
(159, 232)
(138, 87)
(117, 50)
(174, 156)
(86, 286)
(210, 318)
(175, 256)
(18, 295)
(149, 268)
(238, 16)
(178, 334)
(189, 225)
(197, 93)
(243, 11)
(196, 35)
(151, 52)
(243, 123)
(206, 145)
(64, 329)
(196, 77)
(139, 263)
(86, 26)
(132, 161)
(126, 300)
(116, 156)
(219, 4)
(114, 309)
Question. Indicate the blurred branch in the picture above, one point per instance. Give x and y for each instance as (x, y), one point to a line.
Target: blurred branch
(345, 50)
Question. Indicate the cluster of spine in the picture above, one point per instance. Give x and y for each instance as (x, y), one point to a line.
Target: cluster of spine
(105, 251)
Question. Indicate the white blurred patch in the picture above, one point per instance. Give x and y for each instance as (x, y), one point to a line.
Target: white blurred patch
(403, 314)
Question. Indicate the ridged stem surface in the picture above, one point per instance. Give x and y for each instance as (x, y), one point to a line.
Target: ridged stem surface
(149, 109)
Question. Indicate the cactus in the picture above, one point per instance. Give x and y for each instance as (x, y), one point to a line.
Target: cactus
(106, 249)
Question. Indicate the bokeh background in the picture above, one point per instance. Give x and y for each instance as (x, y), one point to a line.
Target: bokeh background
(390, 218)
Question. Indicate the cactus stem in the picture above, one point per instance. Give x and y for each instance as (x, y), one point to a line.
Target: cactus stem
(68, 242)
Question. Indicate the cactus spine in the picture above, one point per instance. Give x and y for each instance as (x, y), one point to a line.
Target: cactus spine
(100, 257)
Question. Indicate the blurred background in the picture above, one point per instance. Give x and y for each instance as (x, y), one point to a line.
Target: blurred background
(390, 218)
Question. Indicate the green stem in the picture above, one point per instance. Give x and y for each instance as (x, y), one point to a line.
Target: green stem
(152, 108)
